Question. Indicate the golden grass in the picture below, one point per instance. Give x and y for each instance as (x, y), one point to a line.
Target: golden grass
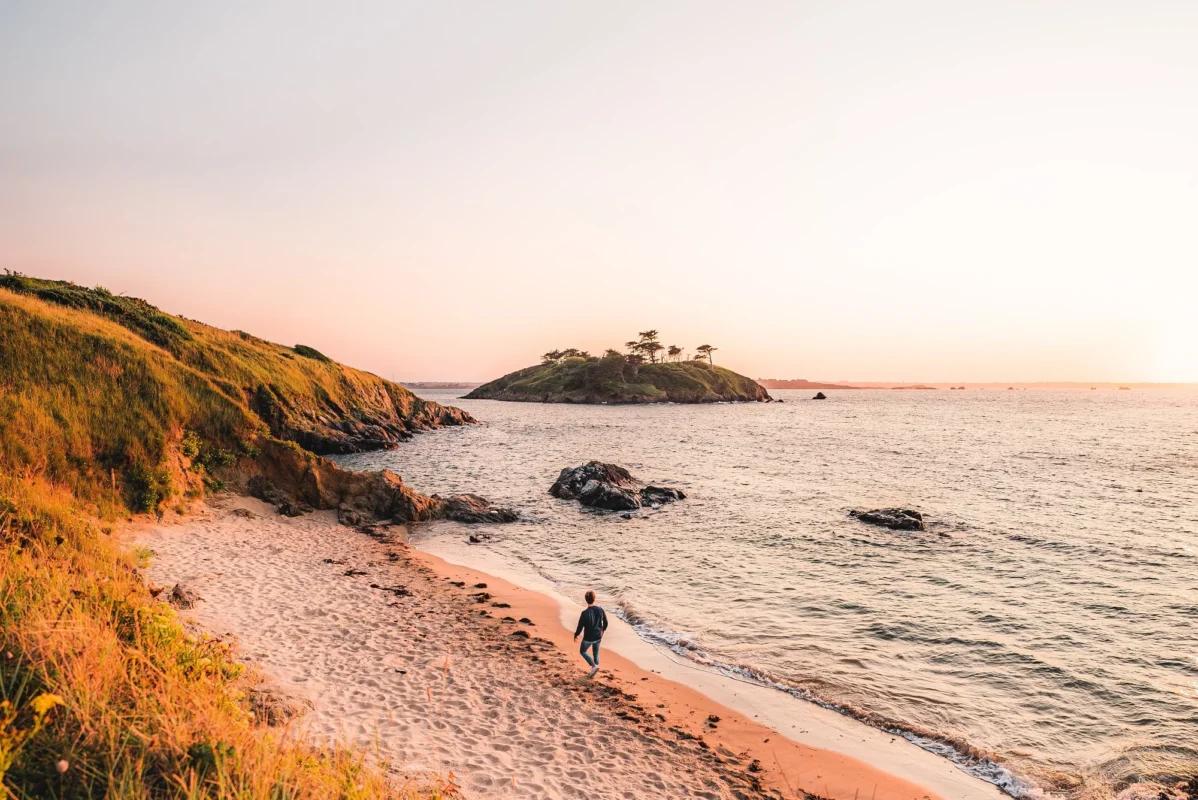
(147, 710)
(102, 691)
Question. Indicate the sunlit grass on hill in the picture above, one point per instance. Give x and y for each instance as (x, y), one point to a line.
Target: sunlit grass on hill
(109, 407)
(299, 393)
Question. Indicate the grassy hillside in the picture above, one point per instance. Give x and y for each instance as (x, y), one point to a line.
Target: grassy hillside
(613, 379)
(301, 394)
(109, 407)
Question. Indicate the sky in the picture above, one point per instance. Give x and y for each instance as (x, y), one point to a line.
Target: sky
(915, 191)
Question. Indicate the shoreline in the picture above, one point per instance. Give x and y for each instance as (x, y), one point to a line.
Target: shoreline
(789, 736)
(401, 652)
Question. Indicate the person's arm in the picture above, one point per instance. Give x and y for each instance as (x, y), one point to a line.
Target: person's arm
(578, 630)
(602, 619)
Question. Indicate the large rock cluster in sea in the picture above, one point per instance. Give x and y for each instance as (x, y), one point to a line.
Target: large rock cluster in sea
(899, 519)
(610, 487)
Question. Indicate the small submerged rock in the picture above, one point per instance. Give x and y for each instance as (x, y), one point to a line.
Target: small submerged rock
(610, 487)
(899, 519)
(820, 396)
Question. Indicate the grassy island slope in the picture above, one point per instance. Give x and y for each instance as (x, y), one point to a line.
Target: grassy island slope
(613, 379)
(110, 407)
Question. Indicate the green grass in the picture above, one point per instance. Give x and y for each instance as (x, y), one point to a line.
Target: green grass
(612, 379)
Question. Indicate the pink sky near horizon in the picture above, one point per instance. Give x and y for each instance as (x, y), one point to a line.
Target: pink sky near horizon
(837, 191)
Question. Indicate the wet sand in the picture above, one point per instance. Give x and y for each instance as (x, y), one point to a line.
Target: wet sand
(439, 668)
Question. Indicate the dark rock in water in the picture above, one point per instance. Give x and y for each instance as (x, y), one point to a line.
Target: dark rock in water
(661, 494)
(899, 519)
(571, 480)
(608, 496)
(820, 396)
(609, 487)
(472, 508)
(182, 597)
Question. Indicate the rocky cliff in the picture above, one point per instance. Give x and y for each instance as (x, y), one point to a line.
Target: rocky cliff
(131, 407)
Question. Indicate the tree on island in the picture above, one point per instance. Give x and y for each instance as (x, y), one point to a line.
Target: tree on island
(646, 346)
(554, 356)
(644, 349)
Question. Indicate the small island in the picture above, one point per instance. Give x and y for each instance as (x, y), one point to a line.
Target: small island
(640, 375)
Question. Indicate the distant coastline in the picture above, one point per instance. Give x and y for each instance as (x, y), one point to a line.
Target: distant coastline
(441, 384)
(802, 383)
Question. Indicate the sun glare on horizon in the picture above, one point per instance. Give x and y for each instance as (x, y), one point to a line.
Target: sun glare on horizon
(937, 191)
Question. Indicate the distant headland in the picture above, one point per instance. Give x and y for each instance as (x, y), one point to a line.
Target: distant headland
(640, 375)
(801, 383)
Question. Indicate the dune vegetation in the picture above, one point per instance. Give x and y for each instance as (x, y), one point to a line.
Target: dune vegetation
(638, 376)
(111, 408)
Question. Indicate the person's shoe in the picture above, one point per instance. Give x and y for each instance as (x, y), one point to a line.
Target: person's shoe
(594, 669)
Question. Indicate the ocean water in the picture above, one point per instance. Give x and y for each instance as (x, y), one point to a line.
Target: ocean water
(1043, 632)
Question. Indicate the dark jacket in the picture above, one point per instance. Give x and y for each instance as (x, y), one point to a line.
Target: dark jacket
(592, 622)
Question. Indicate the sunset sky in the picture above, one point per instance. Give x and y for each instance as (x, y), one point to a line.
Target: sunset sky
(909, 191)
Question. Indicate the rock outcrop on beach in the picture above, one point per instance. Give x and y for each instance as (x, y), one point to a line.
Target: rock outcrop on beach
(614, 379)
(471, 508)
(290, 477)
(899, 519)
(820, 396)
(609, 487)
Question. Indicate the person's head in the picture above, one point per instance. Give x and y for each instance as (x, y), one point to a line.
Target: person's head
(590, 597)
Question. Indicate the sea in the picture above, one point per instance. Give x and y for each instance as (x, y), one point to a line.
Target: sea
(1042, 632)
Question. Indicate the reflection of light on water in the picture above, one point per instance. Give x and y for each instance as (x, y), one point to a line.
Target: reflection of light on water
(1015, 618)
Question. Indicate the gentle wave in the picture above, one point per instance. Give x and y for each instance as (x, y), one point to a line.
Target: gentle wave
(968, 758)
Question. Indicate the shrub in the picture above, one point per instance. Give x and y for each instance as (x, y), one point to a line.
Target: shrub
(147, 488)
(310, 352)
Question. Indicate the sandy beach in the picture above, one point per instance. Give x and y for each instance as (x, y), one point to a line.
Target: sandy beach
(443, 669)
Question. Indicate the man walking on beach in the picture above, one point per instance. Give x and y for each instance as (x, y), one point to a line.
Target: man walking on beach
(592, 622)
